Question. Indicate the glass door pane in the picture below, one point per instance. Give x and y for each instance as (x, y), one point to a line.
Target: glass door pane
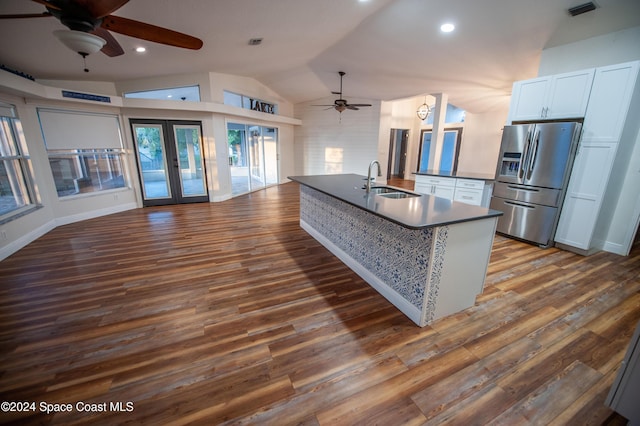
(238, 158)
(149, 139)
(256, 158)
(253, 157)
(425, 147)
(449, 155)
(270, 142)
(190, 162)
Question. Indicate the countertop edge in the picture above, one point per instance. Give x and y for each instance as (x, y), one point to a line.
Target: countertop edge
(489, 212)
(477, 176)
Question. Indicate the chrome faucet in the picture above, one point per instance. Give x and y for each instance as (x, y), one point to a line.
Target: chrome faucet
(368, 187)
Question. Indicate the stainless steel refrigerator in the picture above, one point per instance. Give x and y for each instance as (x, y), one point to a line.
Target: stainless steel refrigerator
(533, 170)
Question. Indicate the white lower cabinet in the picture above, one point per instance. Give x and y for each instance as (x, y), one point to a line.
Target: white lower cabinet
(443, 187)
(470, 191)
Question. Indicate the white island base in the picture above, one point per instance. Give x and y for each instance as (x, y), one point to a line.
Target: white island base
(427, 273)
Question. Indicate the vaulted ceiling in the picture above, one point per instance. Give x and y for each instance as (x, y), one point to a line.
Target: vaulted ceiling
(390, 49)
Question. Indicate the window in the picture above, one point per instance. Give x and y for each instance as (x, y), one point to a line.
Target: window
(85, 151)
(17, 192)
(187, 93)
(85, 171)
(453, 115)
(448, 154)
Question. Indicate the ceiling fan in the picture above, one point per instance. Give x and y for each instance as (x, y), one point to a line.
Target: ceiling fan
(90, 23)
(342, 104)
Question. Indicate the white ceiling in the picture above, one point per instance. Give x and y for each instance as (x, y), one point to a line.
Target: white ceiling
(390, 49)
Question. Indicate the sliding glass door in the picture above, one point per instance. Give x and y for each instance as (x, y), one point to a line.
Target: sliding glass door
(253, 157)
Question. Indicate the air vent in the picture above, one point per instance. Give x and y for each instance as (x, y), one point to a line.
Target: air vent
(583, 8)
(255, 41)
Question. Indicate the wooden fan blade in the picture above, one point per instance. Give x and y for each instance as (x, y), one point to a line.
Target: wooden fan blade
(27, 15)
(102, 8)
(47, 4)
(351, 107)
(150, 32)
(360, 105)
(111, 48)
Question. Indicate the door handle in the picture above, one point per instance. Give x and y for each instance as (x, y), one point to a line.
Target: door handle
(534, 153)
(519, 205)
(519, 188)
(525, 156)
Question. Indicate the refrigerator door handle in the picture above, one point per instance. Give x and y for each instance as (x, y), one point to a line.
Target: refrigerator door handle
(534, 153)
(521, 188)
(519, 205)
(525, 156)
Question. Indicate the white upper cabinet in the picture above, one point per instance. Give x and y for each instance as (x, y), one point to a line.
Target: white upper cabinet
(609, 102)
(552, 97)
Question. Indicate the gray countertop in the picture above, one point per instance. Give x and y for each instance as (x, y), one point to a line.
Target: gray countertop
(423, 211)
(458, 174)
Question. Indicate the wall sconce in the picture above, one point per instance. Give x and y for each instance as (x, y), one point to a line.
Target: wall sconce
(423, 110)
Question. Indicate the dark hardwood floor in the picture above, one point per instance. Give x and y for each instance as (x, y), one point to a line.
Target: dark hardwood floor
(229, 313)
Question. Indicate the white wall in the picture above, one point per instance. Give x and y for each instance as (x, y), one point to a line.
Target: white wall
(332, 143)
(481, 140)
(608, 49)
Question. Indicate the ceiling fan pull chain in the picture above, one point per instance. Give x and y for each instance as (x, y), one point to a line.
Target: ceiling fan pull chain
(84, 61)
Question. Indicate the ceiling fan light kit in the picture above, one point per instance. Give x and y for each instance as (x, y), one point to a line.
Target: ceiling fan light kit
(80, 42)
(90, 23)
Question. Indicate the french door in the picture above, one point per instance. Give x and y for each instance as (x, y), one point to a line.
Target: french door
(170, 161)
(253, 157)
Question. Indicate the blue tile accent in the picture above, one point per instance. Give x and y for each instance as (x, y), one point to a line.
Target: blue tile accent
(397, 255)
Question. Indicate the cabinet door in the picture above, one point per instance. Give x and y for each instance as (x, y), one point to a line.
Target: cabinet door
(528, 99)
(609, 102)
(585, 192)
(444, 191)
(422, 188)
(568, 95)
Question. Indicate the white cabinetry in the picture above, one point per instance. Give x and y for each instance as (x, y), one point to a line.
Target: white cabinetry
(470, 191)
(545, 98)
(443, 187)
(605, 119)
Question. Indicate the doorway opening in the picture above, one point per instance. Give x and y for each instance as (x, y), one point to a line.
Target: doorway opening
(170, 161)
(396, 165)
(253, 157)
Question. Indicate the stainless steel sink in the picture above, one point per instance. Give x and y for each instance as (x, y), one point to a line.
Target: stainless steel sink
(398, 195)
(382, 190)
(388, 192)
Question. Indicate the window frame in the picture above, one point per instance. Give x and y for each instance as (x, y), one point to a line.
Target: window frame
(21, 165)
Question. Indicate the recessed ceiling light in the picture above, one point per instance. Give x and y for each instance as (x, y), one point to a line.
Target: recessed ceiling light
(447, 28)
(141, 49)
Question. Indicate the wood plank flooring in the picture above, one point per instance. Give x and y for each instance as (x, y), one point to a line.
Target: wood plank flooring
(229, 313)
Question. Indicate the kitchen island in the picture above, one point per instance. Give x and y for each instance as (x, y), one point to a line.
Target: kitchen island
(427, 255)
